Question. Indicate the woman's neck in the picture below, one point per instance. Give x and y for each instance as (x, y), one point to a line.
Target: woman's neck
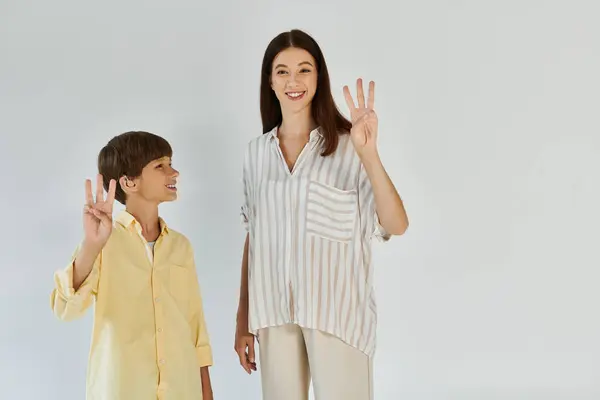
(299, 123)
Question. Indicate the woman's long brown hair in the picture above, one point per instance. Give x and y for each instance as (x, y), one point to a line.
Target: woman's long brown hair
(324, 111)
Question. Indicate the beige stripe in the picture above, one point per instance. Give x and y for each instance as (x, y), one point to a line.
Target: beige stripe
(279, 213)
(343, 157)
(308, 269)
(333, 167)
(273, 270)
(312, 286)
(337, 285)
(351, 303)
(289, 235)
(358, 311)
(319, 271)
(263, 261)
(257, 293)
(298, 243)
(370, 330)
(348, 212)
(329, 236)
(329, 285)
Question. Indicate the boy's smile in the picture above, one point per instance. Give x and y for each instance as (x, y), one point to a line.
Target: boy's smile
(157, 183)
(172, 187)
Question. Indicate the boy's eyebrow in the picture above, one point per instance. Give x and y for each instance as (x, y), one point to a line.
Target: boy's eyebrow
(160, 160)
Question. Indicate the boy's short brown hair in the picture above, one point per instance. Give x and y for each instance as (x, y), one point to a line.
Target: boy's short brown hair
(127, 154)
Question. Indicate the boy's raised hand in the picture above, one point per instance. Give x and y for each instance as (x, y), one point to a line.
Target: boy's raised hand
(97, 213)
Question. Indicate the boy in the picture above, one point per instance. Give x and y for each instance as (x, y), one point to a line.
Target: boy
(149, 337)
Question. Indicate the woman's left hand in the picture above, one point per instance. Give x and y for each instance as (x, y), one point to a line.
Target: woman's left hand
(364, 120)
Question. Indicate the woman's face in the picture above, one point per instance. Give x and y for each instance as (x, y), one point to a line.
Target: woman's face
(294, 78)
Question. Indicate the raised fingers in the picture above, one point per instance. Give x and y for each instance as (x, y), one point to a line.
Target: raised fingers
(371, 100)
(360, 93)
(110, 197)
(99, 188)
(89, 198)
(348, 98)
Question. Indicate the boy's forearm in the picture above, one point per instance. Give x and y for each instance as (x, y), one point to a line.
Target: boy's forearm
(207, 393)
(242, 314)
(84, 262)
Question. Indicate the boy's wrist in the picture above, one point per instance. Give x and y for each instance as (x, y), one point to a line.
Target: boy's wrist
(91, 247)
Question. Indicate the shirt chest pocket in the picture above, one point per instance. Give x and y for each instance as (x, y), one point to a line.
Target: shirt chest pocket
(179, 277)
(331, 212)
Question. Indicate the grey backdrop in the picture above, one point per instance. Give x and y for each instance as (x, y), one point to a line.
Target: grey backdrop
(489, 127)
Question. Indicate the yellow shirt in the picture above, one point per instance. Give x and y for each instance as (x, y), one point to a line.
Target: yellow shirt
(149, 337)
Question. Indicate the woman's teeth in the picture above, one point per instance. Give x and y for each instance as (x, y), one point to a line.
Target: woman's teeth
(295, 95)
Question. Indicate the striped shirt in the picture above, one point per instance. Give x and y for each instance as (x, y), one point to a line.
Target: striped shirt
(310, 232)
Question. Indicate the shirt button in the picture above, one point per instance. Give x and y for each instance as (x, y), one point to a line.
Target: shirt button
(159, 330)
(162, 362)
(157, 299)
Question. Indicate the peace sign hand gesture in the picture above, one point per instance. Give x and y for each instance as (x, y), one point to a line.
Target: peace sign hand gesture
(97, 213)
(364, 120)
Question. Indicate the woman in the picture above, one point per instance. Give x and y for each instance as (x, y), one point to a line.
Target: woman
(315, 193)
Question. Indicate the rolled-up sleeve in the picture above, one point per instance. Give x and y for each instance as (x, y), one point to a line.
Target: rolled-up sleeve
(68, 303)
(246, 209)
(199, 331)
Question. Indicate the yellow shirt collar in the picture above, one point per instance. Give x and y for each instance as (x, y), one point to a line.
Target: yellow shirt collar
(127, 220)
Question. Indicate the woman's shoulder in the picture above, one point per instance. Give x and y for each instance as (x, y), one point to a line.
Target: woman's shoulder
(262, 138)
(256, 145)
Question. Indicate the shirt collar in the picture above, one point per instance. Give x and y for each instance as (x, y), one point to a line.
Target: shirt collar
(314, 134)
(127, 220)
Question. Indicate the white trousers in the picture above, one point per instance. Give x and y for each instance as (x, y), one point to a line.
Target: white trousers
(291, 356)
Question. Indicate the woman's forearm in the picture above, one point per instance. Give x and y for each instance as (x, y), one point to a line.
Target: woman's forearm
(242, 313)
(388, 203)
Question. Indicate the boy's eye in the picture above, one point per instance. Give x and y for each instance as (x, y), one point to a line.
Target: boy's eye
(305, 70)
(280, 72)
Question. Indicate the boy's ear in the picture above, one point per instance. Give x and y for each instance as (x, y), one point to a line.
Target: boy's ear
(128, 185)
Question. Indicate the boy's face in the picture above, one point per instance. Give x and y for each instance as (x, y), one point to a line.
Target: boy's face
(156, 184)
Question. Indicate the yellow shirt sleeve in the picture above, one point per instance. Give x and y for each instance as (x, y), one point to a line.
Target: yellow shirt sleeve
(68, 304)
(199, 331)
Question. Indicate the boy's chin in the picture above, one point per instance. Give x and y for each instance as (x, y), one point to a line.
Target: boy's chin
(169, 197)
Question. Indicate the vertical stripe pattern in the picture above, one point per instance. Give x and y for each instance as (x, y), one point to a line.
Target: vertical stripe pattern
(309, 258)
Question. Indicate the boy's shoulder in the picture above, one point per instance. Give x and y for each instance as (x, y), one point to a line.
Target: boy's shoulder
(174, 234)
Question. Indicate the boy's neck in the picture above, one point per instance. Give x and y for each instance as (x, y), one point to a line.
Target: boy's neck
(297, 124)
(147, 216)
